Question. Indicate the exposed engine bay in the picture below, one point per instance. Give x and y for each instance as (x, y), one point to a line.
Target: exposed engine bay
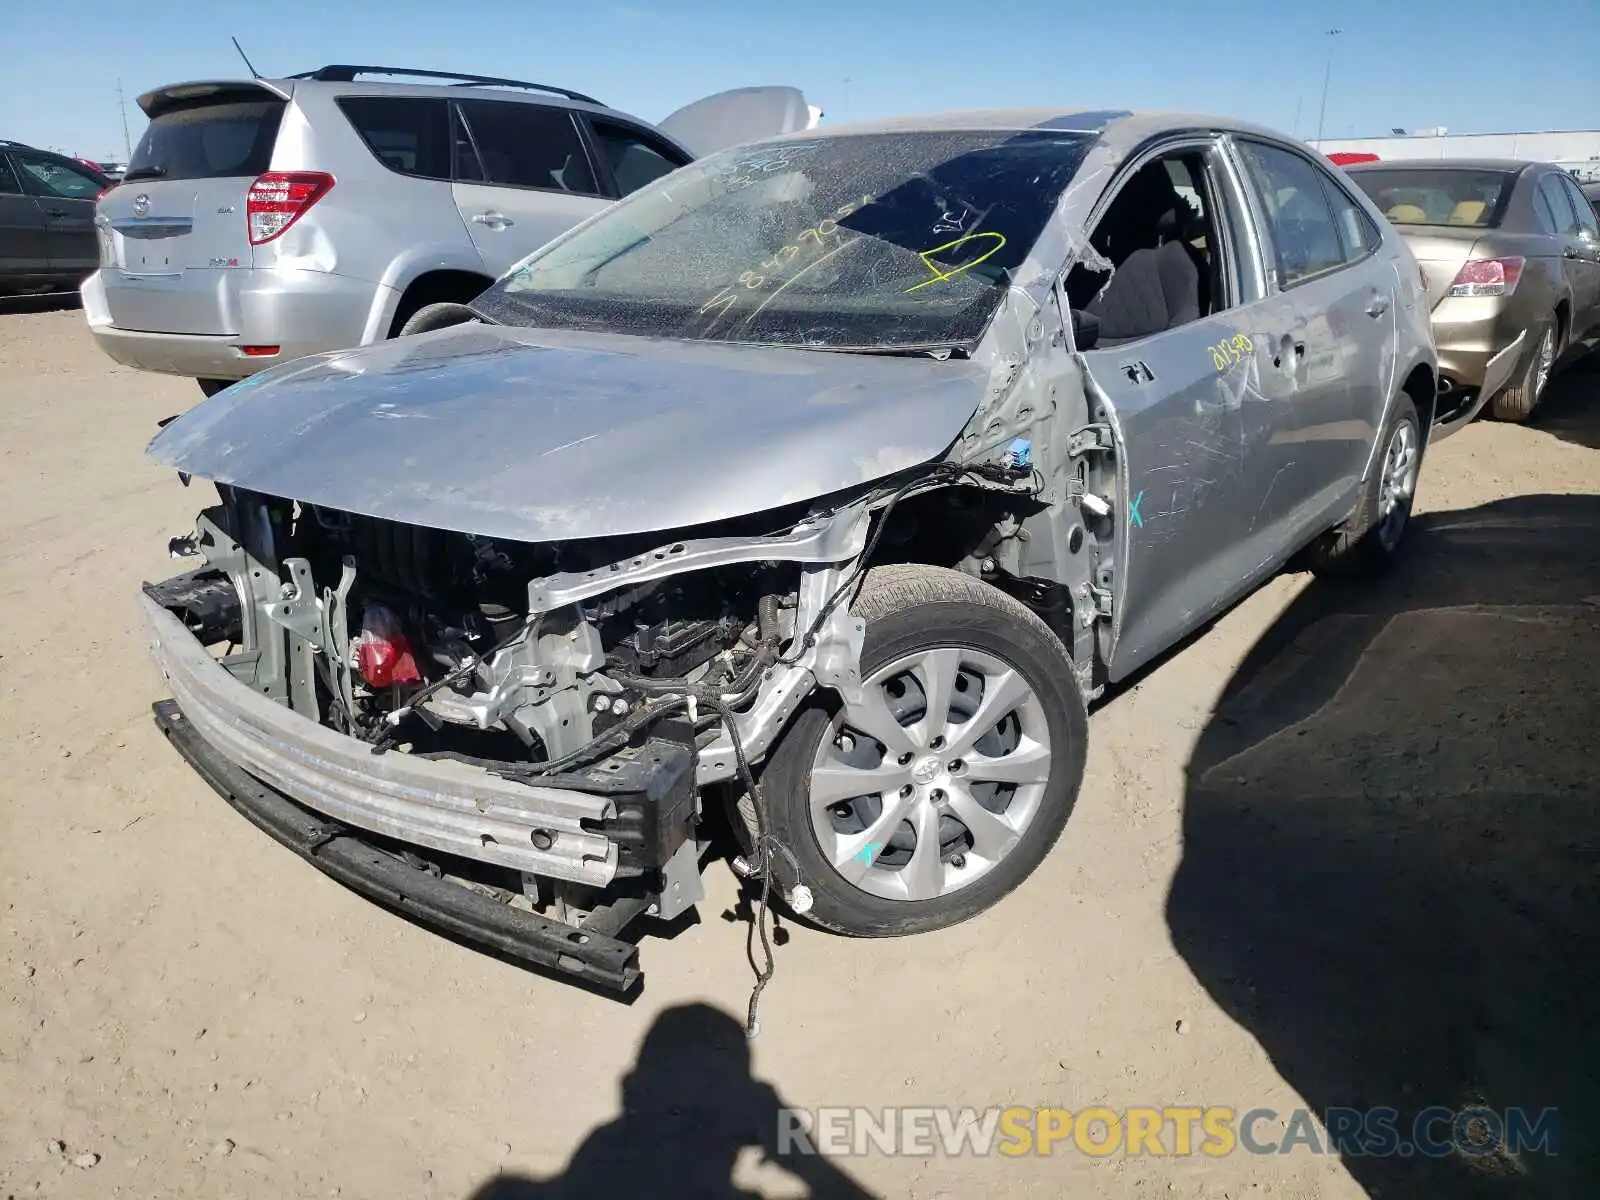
(637, 672)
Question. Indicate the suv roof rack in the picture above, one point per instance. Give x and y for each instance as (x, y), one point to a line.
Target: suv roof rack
(345, 73)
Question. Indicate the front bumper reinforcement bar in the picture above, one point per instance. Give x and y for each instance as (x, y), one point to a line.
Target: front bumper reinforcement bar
(442, 904)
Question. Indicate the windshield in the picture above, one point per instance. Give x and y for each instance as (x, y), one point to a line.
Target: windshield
(1437, 195)
(881, 241)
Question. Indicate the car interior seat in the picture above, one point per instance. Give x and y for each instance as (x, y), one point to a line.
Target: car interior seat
(1468, 212)
(1160, 278)
(1407, 214)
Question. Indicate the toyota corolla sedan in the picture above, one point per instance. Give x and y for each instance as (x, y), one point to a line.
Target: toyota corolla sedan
(1512, 256)
(816, 487)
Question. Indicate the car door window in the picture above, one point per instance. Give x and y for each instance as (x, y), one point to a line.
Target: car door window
(1560, 206)
(409, 135)
(1358, 233)
(635, 158)
(1545, 212)
(10, 185)
(49, 177)
(529, 146)
(1305, 237)
(1162, 241)
(1587, 227)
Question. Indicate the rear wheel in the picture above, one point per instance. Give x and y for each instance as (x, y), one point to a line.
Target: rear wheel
(1369, 541)
(945, 785)
(1517, 401)
(437, 316)
(212, 386)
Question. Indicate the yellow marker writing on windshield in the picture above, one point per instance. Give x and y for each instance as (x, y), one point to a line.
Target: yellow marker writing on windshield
(940, 274)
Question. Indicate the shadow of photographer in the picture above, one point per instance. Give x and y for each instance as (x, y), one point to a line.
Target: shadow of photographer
(690, 1110)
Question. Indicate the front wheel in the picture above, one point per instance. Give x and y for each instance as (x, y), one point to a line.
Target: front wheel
(943, 787)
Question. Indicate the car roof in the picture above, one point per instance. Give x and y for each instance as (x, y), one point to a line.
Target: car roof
(287, 86)
(1117, 124)
(1445, 164)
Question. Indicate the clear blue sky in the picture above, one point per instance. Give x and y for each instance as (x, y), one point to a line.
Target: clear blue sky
(1467, 64)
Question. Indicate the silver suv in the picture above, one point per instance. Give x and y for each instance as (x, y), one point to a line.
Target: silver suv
(261, 220)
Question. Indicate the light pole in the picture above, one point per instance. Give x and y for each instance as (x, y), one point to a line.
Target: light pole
(1327, 74)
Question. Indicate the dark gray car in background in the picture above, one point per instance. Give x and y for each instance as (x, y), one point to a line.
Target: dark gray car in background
(47, 235)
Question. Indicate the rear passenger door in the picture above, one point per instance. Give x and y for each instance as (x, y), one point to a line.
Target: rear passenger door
(1581, 252)
(522, 176)
(1336, 334)
(22, 239)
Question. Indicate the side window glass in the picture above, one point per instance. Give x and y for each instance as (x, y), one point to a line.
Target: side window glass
(1358, 236)
(1585, 215)
(47, 177)
(1161, 240)
(10, 185)
(1560, 206)
(1305, 238)
(635, 160)
(1544, 212)
(409, 136)
(468, 168)
(529, 145)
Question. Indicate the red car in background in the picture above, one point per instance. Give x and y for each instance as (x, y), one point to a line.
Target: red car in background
(1343, 158)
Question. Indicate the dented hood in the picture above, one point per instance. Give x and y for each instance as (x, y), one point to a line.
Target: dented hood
(536, 435)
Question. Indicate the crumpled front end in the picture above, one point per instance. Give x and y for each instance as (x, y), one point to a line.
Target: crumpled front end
(522, 719)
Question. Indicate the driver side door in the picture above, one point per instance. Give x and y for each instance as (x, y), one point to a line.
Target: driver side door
(1193, 408)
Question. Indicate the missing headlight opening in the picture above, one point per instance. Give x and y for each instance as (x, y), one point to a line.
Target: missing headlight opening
(585, 712)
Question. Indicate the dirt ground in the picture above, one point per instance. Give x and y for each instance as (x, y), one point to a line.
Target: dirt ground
(1342, 850)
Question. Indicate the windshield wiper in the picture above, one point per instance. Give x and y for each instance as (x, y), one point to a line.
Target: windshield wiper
(144, 173)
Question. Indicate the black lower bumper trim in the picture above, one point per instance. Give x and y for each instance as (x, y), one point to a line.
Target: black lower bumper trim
(441, 904)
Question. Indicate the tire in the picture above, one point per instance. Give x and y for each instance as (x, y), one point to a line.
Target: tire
(1371, 538)
(212, 386)
(436, 316)
(981, 638)
(1517, 401)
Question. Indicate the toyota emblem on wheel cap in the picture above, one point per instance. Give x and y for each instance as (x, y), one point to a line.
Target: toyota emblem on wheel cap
(141, 205)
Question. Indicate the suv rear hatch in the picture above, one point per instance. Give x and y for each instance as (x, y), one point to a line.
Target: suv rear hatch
(179, 216)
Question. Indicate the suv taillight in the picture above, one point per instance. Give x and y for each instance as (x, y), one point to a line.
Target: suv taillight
(1487, 277)
(280, 198)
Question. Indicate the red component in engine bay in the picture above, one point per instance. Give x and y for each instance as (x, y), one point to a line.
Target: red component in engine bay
(383, 652)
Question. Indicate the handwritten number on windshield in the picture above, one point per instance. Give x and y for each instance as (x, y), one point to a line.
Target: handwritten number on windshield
(942, 272)
(815, 239)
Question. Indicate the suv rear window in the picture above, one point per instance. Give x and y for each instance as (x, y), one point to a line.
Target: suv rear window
(407, 135)
(209, 139)
(1437, 195)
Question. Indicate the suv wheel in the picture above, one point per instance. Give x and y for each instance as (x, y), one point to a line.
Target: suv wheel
(437, 316)
(943, 789)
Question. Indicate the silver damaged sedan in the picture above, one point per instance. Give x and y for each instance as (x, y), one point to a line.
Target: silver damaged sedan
(814, 489)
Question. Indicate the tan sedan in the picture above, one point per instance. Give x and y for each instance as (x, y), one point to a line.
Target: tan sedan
(1511, 251)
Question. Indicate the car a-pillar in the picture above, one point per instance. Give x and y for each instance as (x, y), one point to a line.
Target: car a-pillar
(1059, 555)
